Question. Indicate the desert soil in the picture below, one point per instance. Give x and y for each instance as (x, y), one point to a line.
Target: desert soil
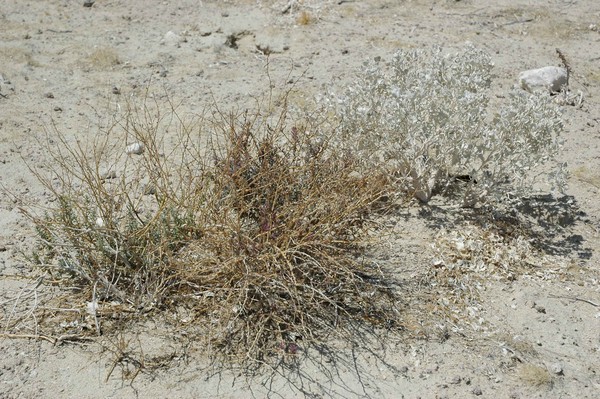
(533, 335)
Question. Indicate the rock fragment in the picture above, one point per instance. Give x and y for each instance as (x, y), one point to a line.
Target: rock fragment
(135, 148)
(557, 369)
(550, 78)
(173, 39)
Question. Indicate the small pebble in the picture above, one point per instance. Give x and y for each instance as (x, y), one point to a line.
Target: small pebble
(135, 148)
(455, 380)
(49, 95)
(116, 90)
(88, 3)
(477, 391)
(540, 308)
(557, 369)
(111, 174)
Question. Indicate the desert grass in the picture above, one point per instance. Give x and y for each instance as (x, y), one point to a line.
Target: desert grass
(104, 58)
(535, 375)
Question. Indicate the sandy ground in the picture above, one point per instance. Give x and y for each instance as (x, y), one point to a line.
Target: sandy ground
(537, 336)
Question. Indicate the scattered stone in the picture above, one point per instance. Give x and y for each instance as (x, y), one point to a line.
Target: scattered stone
(232, 39)
(456, 380)
(111, 174)
(477, 391)
(88, 3)
(271, 42)
(173, 39)
(5, 85)
(557, 369)
(205, 31)
(538, 308)
(593, 27)
(549, 78)
(58, 109)
(116, 90)
(135, 148)
(49, 95)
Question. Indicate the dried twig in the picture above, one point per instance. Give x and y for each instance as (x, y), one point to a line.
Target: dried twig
(574, 298)
(43, 337)
(565, 63)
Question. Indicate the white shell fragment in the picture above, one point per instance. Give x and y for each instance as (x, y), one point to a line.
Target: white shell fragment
(550, 78)
(135, 148)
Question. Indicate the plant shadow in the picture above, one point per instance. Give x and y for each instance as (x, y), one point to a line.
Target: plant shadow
(550, 223)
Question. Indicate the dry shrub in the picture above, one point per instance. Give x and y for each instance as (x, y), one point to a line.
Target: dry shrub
(304, 18)
(258, 230)
(104, 57)
(535, 375)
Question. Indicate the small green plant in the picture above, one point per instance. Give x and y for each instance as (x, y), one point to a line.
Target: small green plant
(427, 118)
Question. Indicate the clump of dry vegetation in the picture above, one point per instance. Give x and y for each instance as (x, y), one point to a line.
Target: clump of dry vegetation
(104, 57)
(535, 375)
(304, 18)
(257, 230)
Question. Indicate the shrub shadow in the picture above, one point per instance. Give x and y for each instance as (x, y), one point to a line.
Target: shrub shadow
(549, 222)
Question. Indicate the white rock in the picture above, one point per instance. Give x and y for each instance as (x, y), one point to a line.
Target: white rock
(547, 78)
(92, 307)
(556, 368)
(173, 39)
(135, 148)
(99, 222)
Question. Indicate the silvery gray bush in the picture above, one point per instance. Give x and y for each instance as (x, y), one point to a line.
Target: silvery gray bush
(426, 118)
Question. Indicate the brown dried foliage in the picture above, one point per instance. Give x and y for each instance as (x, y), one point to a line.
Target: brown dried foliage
(258, 231)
